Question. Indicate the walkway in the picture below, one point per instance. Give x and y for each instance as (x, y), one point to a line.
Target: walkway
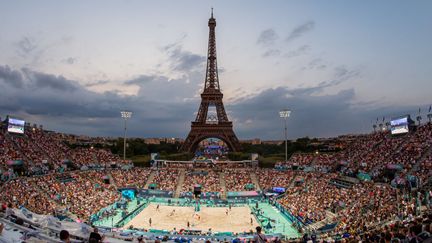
(255, 181)
(222, 184)
(150, 179)
(180, 183)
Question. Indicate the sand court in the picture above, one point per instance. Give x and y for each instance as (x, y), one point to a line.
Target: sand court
(170, 217)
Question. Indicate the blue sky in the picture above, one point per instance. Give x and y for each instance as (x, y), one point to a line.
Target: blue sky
(72, 65)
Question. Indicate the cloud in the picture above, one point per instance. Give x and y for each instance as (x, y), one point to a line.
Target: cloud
(343, 73)
(181, 60)
(40, 80)
(323, 115)
(271, 53)
(33, 49)
(317, 64)
(298, 52)
(11, 77)
(69, 60)
(165, 107)
(65, 105)
(267, 37)
(26, 46)
(301, 30)
(97, 83)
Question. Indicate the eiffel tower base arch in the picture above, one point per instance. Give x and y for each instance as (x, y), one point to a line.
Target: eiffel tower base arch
(200, 132)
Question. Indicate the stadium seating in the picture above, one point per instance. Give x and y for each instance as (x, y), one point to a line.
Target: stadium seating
(356, 208)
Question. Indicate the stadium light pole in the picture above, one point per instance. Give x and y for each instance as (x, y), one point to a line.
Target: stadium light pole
(419, 118)
(387, 124)
(285, 113)
(125, 115)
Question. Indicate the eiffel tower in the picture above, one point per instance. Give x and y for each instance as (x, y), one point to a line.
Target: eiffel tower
(208, 124)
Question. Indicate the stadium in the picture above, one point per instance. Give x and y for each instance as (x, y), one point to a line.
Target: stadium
(379, 182)
(211, 186)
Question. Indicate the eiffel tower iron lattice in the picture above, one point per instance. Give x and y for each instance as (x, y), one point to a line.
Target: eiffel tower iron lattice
(206, 124)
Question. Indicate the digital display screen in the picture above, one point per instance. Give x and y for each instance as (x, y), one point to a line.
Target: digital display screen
(399, 126)
(129, 194)
(279, 189)
(16, 126)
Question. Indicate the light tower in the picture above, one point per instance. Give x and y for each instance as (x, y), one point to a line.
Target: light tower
(125, 115)
(285, 113)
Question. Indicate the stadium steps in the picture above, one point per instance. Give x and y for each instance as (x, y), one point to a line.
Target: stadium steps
(112, 181)
(95, 159)
(322, 223)
(255, 181)
(150, 179)
(330, 215)
(293, 180)
(180, 183)
(223, 184)
(313, 161)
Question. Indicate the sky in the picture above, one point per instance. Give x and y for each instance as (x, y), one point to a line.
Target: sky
(337, 65)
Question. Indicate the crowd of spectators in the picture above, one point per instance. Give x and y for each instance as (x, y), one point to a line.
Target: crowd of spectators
(367, 204)
(312, 197)
(47, 150)
(208, 179)
(358, 207)
(7, 151)
(136, 177)
(416, 229)
(372, 153)
(51, 143)
(237, 179)
(30, 150)
(424, 171)
(24, 191)
(301, 159)
(166, 179)
(84, 193)
(413, 150)
(269, 178)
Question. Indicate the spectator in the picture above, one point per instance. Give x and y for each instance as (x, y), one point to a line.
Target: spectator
(95, 236)
(64, 236)
(259, 237)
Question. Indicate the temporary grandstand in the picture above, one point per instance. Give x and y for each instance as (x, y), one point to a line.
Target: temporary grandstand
(378, 180)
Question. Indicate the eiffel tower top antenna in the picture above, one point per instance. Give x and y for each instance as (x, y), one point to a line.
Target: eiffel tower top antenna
(212, 80)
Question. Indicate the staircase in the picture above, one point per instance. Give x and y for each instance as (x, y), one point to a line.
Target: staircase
(291, 184)
(327, 220)
(95, 159)
(223, 185)
(313, 161)
(255, 181)
(180, 183)
(150, 179)
(112, 181)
